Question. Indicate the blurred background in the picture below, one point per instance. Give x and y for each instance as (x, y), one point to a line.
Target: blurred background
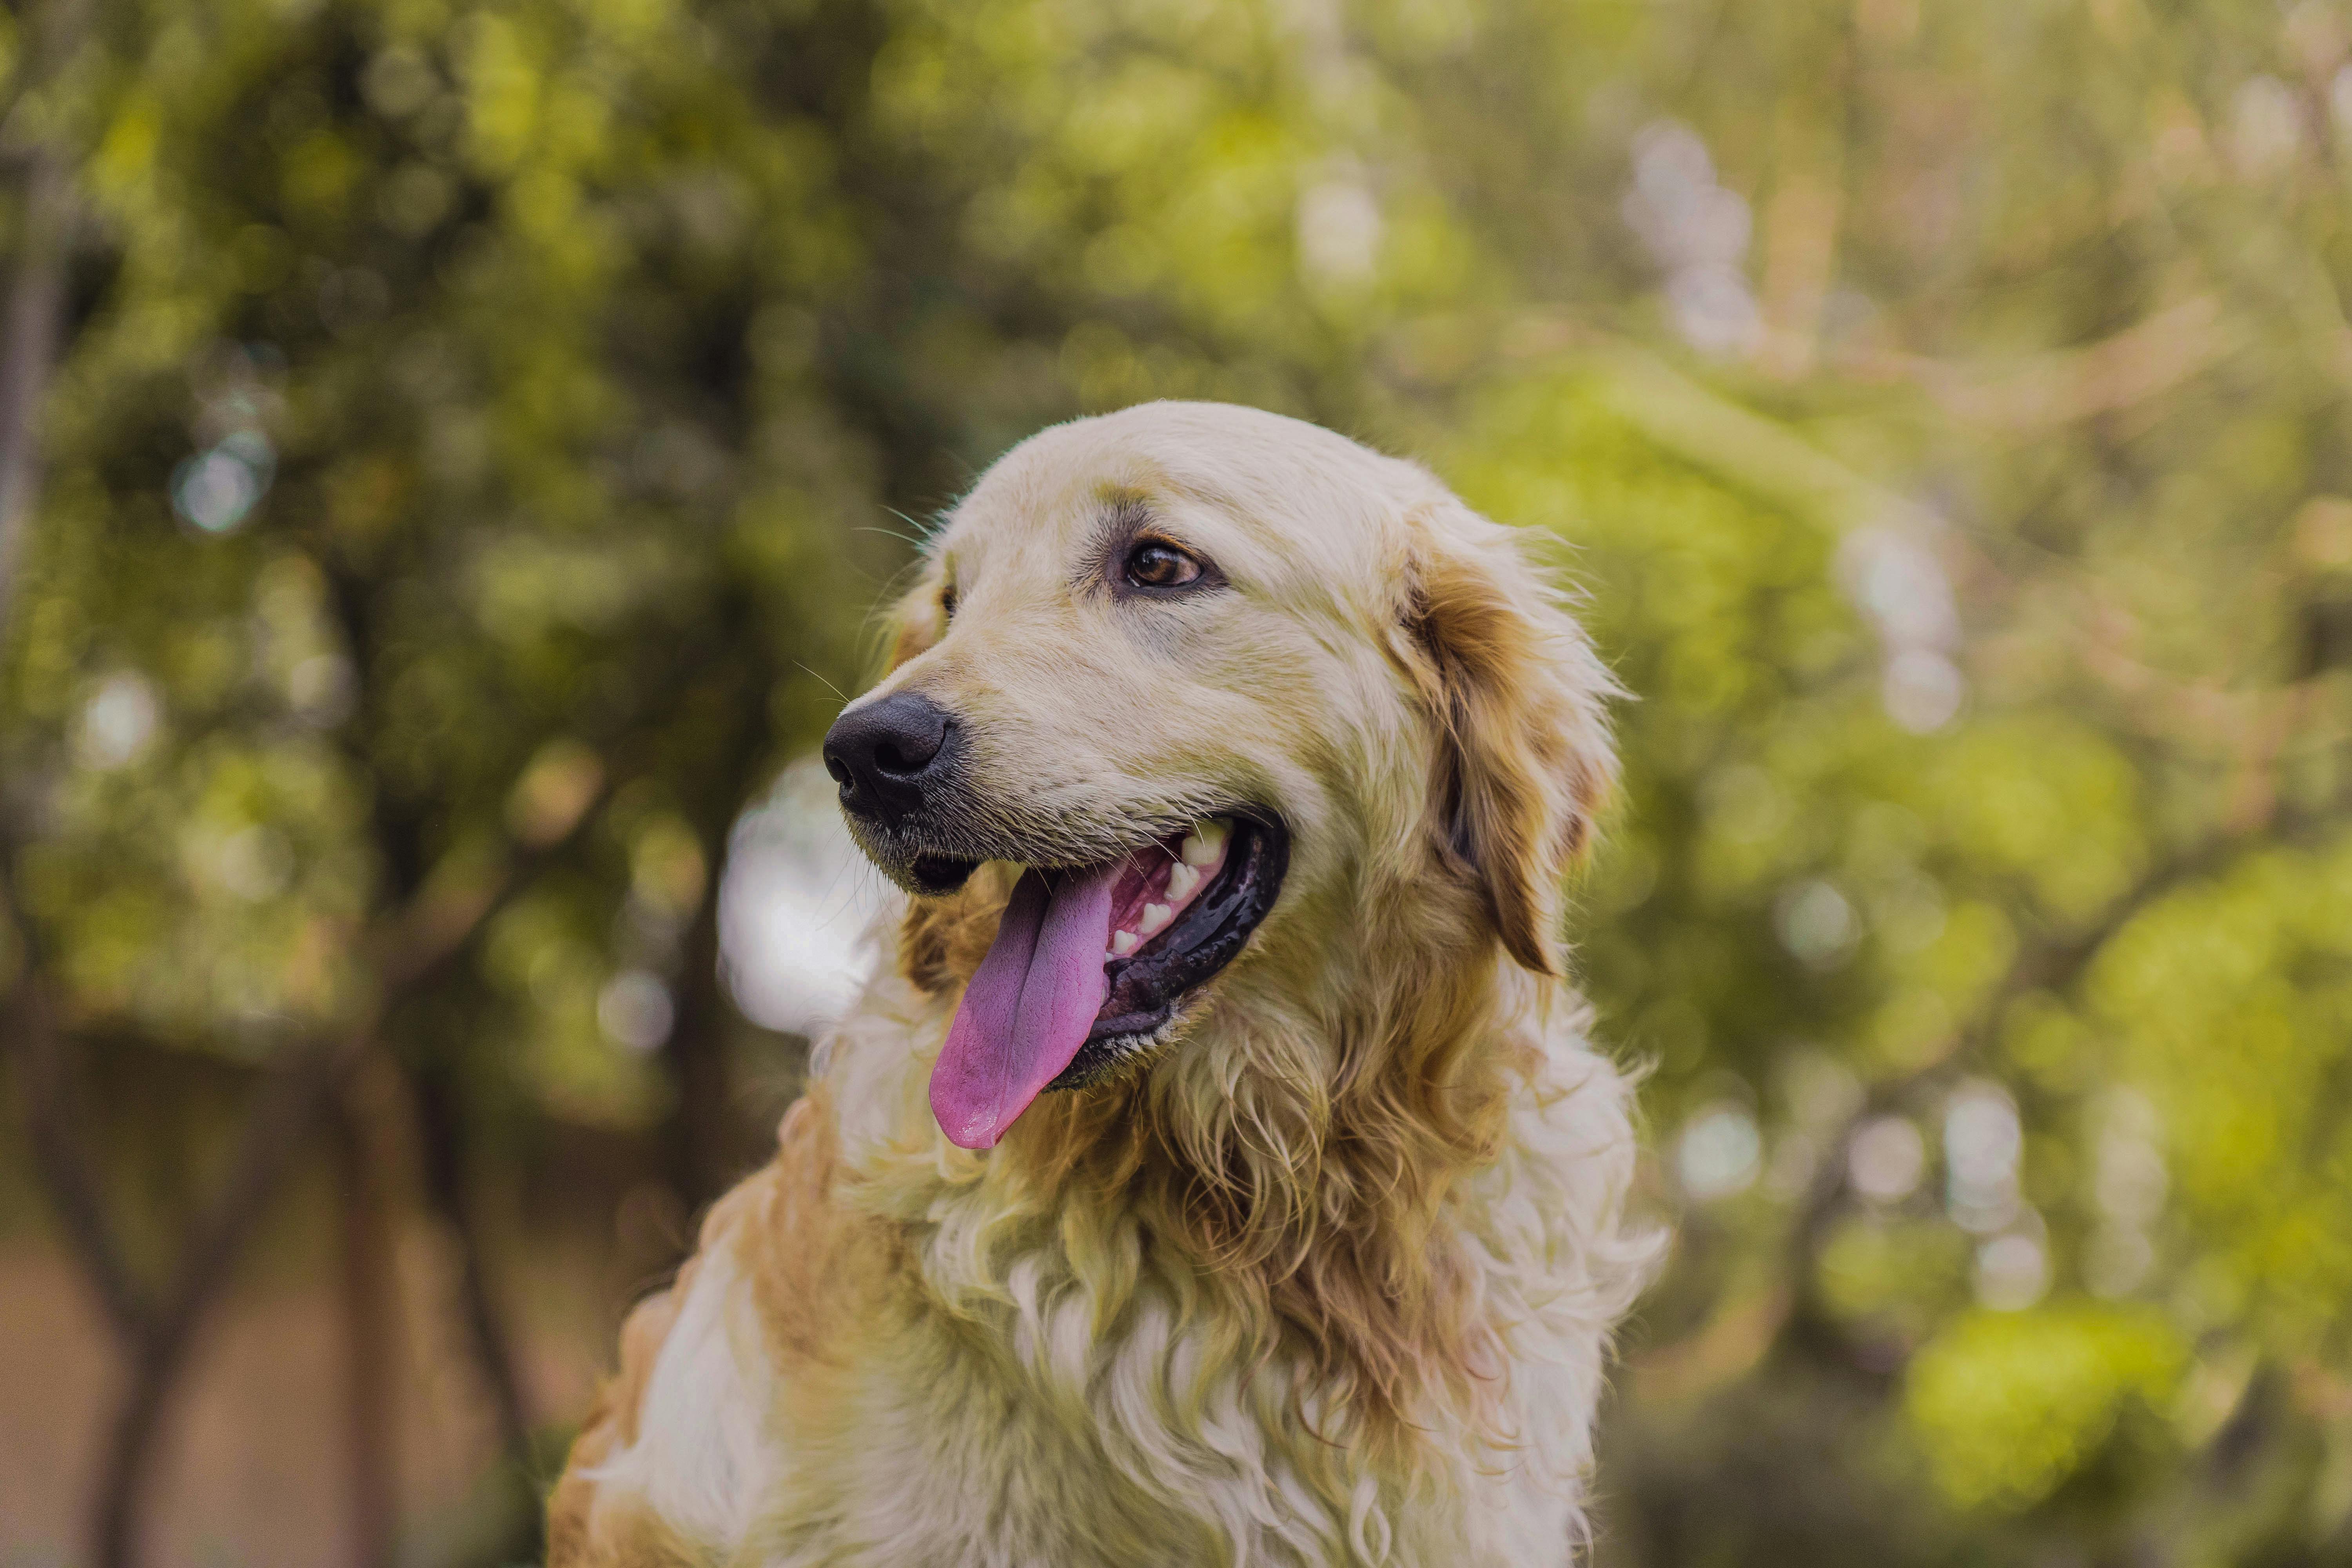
(449, 451)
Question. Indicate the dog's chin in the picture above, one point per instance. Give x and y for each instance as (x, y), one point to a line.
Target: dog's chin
(909, 859)
(1154, 990)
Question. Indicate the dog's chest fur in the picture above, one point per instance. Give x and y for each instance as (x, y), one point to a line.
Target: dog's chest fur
(879, 1359)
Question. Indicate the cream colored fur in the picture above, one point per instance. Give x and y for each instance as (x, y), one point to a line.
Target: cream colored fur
(1330, 1277)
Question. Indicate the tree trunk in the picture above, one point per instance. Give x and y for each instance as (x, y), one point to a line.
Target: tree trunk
(441, 1139)
(35, 317)
(701, 1142)
(441, 1151)
(370, 1344)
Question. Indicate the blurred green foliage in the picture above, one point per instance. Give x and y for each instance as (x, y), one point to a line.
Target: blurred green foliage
(483, 427)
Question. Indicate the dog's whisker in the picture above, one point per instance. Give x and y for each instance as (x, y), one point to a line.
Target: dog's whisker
(828, 685)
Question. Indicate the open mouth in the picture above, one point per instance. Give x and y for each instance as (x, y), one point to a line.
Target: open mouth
(1090, 964)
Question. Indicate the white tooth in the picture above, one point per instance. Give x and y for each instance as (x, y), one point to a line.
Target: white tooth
(1123, 942)
(1154, 917)
(1205, 842)
(1182, 880)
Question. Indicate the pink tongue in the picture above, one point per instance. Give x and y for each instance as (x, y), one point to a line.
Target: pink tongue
(1028, 1007)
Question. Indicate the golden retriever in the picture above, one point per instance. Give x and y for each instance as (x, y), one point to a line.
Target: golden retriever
(1217, 1172)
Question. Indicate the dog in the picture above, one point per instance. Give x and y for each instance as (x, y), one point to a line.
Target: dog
(1217, 1170)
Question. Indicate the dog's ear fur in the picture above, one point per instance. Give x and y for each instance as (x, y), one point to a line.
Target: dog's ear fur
(1518, 696)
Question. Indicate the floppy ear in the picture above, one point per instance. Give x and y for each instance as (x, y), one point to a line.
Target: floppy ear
(1517, 695)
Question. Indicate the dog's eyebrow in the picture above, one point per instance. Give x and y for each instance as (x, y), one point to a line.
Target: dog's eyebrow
(1123, 514)
(1124, 510)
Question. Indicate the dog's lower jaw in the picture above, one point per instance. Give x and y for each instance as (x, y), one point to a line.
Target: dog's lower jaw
(1111, 1058)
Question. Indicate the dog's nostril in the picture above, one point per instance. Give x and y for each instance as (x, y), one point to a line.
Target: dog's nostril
(906, 738)
(837, 768)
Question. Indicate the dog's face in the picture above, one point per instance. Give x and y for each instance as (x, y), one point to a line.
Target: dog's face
(1216, 681)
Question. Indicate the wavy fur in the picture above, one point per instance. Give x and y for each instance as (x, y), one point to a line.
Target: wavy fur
(1330, 1277)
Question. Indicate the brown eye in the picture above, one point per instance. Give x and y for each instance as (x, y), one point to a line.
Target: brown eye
(948, 602)
(1152, 564)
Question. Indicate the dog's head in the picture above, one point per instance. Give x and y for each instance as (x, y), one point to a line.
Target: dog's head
(1245, 713)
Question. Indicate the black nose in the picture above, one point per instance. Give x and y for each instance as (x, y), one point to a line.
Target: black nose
(883, 753)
